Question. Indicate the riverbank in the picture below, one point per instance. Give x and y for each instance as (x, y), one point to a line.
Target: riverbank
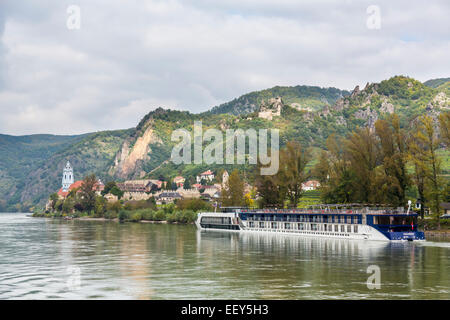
(160, 216)
(437, 233)
(140, 221)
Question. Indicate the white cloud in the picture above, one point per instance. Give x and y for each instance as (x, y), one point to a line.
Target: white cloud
(131, 57)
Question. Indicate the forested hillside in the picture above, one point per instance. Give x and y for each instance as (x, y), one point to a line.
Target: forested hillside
(300, 97)
(30, 167)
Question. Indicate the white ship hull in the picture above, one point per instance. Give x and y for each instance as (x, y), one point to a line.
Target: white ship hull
(338, 231)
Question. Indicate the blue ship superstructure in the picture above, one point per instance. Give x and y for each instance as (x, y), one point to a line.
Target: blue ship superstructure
(341, 221)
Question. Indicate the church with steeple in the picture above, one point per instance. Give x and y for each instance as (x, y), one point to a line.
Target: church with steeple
(67, 178)
(68, 183)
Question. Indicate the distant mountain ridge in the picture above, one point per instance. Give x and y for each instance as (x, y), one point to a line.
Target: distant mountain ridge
(302, 97)
(31, 166)
(434, 83)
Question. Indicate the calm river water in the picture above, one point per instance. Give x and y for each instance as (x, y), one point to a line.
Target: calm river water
(56, 259)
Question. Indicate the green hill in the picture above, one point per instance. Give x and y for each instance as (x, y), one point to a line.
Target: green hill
(20, 157)
(434, 83)
(30, 166)
(31, 171)
(306, 97)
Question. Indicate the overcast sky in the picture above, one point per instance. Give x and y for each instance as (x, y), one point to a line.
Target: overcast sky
(130, 57)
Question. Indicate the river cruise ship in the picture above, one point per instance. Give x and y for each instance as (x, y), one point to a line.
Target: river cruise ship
(329, 221)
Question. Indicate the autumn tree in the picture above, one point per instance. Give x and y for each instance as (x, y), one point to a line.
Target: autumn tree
(268, 190)
(68, 205)
(334, 173)
(362, 151)
(53, 198)
(292, 173)
(393, 178)
(100, 206)
(444, 125)
(87, 192)
(249, 202)
(423, 145)
(233, 191)
(322, 169)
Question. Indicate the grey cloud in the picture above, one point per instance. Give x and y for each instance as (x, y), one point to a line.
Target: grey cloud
(131, 57)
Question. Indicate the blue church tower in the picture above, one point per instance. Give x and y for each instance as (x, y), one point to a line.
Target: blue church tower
(67, 178)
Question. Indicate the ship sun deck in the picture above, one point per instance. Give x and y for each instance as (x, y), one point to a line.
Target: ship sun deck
(338, 221)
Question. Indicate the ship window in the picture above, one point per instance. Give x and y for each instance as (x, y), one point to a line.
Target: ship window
(261, 224)
(349, 219)
(215, 220)
(324, 227)
(274, 225)
(336, 228)
(342, 219)
(301, 226)
(382, 220)
(349, 228)
(355, 229)
(314, 227)
(251, 224)
(287, 226)
(342, 228)
(404, 220)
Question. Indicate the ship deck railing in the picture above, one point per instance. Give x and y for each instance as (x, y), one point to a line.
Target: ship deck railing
(375, 211)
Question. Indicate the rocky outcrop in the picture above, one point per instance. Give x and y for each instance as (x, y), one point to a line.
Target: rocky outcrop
(127, 161)
(369, 115)
(386, 106)
(355, 92)
(340, 121)
(341, 104)
(441, 100)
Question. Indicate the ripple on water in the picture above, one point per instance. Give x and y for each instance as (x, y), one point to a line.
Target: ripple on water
(38, 258)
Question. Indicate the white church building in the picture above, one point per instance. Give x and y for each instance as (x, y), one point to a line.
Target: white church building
(67, 178)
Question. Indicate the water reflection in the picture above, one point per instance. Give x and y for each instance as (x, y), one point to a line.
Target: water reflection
(147, 261)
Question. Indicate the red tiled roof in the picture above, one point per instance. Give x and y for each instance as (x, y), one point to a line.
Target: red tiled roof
(206, 173)
(77, 184)
(62, 193)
